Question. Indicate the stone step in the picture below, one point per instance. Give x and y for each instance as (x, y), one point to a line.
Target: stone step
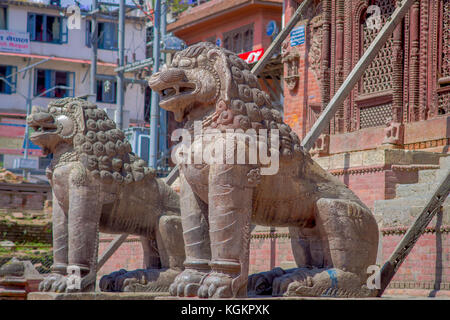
(416, 200)
(401, 204)
(444, 162)
(405, 215)
(412, 190)
(426, 176)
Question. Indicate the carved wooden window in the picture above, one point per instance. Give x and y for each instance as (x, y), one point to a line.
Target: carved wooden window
(375, 92)
(378, 76)
(239, 40)
(446, 39)
(374, 116)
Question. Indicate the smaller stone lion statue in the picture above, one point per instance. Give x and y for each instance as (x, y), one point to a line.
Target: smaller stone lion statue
(99, 185)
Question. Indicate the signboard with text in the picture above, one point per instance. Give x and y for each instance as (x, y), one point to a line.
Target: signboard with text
(14, 41)
(252, 56)
(298, 36)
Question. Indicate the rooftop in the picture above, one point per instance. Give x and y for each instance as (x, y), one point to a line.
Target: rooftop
(217, 8)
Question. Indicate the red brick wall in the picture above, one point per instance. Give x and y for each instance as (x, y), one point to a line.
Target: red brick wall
(129, 256)
(427, 263)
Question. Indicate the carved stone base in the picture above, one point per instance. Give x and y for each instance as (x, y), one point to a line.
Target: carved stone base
(141, 280)
(96, 296)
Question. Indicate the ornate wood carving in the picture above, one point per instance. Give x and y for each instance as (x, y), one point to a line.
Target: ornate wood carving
(410, 75)
(397, 76)
(290, 57)
(393, 133)
(315, 49)
(348, 61)
(443, 99)
(424, 34)
(378, 76)
(406, 67)
(357, 14)
(414, 64)
(325, 65)
(339, 66)
(445, 65)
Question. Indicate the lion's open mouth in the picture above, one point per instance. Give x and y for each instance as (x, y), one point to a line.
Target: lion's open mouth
(176, 90)
(42, 128)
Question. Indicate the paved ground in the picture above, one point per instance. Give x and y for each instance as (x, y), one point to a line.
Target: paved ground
(165, 296)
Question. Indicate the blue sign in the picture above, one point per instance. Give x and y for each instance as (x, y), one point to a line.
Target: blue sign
(298, 36)
(271, 28)
(218, 42)
(31, 145)
(172, 43)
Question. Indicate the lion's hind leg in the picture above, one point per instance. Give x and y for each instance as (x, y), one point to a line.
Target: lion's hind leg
(350, 239)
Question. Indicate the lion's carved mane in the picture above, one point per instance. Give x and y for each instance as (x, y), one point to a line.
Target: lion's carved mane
(98, 144)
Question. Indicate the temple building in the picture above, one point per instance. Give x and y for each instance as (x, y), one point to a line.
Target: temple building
(389, 139)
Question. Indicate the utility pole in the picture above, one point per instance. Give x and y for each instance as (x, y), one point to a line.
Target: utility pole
(29, 101)
(94, 47)
(154, 114)
(162, 112)
(120, 74)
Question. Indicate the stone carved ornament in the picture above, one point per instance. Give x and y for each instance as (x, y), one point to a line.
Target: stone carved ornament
(290, 57)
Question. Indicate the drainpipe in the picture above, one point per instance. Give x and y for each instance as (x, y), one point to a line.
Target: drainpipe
(154, 115)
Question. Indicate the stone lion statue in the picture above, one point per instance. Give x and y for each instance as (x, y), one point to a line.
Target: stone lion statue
(334, 235)
(100, 186)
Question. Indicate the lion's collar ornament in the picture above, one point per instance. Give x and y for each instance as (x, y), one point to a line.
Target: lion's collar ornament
(334, 235)
(99, 185)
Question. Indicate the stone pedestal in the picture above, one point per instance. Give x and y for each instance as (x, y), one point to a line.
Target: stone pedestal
(97, 296)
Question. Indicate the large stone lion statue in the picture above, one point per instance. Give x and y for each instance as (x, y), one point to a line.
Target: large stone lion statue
(334, 235)
(100, 186)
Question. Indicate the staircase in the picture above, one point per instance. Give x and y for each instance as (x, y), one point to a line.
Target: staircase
(411, 198)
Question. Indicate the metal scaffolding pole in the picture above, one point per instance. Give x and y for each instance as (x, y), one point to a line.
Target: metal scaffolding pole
(154, 114)
(94, 47)
(162, 112)
(120, 74)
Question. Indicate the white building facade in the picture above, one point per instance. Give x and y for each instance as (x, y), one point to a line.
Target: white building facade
(68, 67)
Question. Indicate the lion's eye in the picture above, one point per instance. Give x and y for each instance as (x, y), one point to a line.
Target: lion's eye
(184, 63)
(66, 124)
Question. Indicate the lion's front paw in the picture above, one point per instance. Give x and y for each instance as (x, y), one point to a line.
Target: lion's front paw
(216, 285)
(53, 283)
(187, 283)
